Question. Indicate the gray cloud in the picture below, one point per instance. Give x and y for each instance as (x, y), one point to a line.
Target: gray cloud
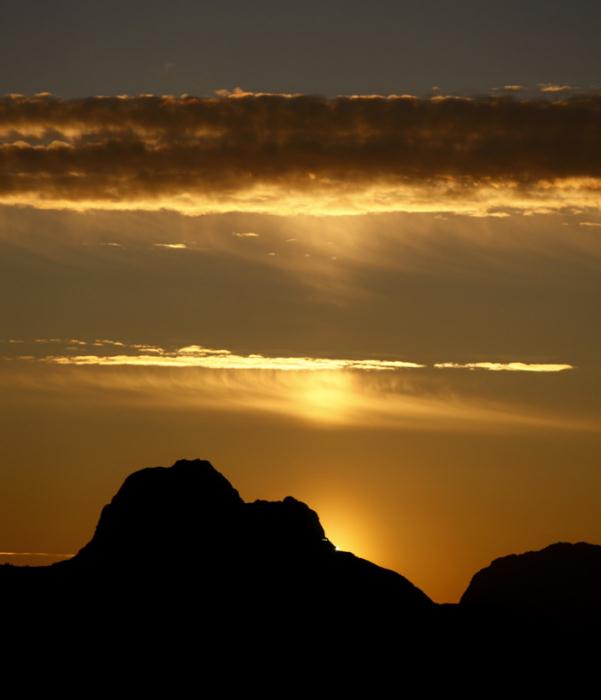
(554, 88)
(242, 150)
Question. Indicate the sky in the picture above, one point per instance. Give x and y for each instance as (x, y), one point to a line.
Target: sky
(346, 253)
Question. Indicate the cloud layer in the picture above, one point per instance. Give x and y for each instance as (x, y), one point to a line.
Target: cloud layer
(323, 395)
(219, 358)
(299, 153)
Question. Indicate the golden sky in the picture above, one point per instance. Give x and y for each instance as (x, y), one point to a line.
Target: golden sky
(386, 306)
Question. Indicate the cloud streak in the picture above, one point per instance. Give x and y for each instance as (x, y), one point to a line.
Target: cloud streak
(36, 554)
(220, 358)
(505, 366)
(387, 400)
(301, 153)
(197, 356)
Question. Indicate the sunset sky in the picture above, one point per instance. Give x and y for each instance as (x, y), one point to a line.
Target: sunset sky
(345, 251)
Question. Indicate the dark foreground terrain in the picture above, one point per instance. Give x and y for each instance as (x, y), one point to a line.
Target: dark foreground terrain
(179, 558)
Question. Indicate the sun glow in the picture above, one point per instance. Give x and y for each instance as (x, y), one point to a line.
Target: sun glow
(325, 397)
(346, 530)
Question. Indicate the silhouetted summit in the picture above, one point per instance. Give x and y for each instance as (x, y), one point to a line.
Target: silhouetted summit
(192, 509)
(161, 512)
(182, 543)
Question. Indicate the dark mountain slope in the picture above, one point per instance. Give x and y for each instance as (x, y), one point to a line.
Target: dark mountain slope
(558, 585)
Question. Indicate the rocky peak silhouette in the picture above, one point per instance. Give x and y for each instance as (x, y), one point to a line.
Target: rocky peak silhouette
(159, 511)
(187, 527)
(191, 507)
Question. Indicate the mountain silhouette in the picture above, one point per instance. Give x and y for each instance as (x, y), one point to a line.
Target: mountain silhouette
(179, 548)
(560, 584)
(190, 516)
(180, 542)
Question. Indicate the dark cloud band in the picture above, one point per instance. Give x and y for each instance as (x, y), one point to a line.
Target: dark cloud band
(146, 148)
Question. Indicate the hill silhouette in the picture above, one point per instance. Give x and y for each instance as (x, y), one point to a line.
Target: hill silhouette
(180, 542)
(179, 546)
(560, 584)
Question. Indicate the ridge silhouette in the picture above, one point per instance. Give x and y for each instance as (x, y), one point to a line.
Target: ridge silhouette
(179, 546)
(560, 583)
(192, 516)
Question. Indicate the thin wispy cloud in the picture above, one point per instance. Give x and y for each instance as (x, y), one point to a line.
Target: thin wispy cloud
(506, 366)
(171, 246)
(142, 355)
(196, 356)
(393, 400)
(554, 87)
(36, 554)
